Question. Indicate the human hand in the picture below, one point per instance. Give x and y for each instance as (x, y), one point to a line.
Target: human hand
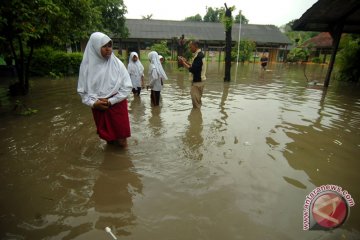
(181, 59)
(102, 104)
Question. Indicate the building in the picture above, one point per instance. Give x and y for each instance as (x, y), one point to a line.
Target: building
(321, 44)
(143, 33)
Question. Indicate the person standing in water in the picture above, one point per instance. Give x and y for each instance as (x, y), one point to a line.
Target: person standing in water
(104, 84)
(264, 61)
(198, 70)
(136, 72)
(156, 76)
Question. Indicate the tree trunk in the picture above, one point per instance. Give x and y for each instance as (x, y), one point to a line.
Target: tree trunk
(22, 86)
(227, 47)
(27, 68)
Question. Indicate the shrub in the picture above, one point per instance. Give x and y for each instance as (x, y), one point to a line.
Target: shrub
(246, 51)
(316, 60)
(348, 60)
(161, 48)
(49, 62)
(298, 54)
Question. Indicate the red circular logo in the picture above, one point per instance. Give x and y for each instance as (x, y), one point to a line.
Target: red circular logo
(329, 210)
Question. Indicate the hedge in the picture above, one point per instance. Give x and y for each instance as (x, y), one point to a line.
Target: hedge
(47, 61)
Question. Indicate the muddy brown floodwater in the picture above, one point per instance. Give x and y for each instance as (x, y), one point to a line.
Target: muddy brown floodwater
(238, 169)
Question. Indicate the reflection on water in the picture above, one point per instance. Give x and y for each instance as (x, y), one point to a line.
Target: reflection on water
(239, 168)
(193, 140)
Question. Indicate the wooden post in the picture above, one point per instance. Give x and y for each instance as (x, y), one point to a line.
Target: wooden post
(227, 45)
(336, 35)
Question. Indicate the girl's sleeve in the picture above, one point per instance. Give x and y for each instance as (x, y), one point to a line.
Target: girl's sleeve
(153, 76)
(87, 100)
(125, 87)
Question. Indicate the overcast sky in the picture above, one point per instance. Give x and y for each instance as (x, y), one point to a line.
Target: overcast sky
(276, 12)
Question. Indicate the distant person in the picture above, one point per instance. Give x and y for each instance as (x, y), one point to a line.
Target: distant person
(198, 70)
(156, 75)
(263, 61)
(136, 72)
(104, 84)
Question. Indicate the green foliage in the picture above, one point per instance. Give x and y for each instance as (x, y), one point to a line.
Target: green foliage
(21, 109)
(161, 48)
(26, 25)
(112, 16)
(316, 60)
(298, 55)
(49, 62)
(244, 20)
(196, 18)
(246, 50)
(226, 20)
(296, 37)
(212, 15)
(348, 58)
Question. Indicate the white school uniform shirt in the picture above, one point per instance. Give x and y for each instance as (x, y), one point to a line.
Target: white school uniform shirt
(100, 77)
(136, 70)
(156, 72)
(154, 79)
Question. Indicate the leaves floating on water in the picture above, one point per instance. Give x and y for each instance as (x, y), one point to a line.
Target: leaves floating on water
(21, 109)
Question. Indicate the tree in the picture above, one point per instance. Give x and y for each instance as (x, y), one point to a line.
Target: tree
(22, 26)
(348, 58)
(296, 37)
(112, 16)
(227, 20)
(31, 24)
(161, 48)
(244, 20)
(246, 50)
(196, 18)
(212, 15)
(147, 17)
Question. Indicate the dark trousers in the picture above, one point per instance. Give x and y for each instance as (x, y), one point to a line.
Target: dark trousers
(155, 97)
(136, 91)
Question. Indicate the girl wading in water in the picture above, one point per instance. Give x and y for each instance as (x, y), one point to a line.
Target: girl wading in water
(156, 77)
(136, 72)
(104, 84)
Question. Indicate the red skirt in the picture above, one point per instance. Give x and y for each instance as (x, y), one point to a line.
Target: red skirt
(113, 124)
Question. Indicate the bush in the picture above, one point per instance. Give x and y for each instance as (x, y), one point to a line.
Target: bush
(298, 54)
(49, 62)
(246, 51)
(316, 60)
(161, 48)
(348, 60)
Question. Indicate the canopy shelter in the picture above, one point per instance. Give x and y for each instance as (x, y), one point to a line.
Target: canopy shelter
(335, 17)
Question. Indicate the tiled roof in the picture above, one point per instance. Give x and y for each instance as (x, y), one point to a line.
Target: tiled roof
(166, 29)
(322, 40)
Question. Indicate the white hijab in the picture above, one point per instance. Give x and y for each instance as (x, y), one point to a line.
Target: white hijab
(155, 63)
(99, 77)
(135, 68)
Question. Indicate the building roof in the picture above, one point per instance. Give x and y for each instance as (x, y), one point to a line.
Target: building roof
(322, 40)
(325, 13)
(166, 29)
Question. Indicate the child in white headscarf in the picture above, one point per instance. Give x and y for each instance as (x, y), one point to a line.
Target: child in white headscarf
(136, 72)
(156, 75)
(104, 84)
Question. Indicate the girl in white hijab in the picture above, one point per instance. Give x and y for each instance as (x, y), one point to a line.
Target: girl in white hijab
(156, 76)
(104, 84)
(136, 72)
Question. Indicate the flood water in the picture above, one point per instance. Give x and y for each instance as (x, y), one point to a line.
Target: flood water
(238, 169)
